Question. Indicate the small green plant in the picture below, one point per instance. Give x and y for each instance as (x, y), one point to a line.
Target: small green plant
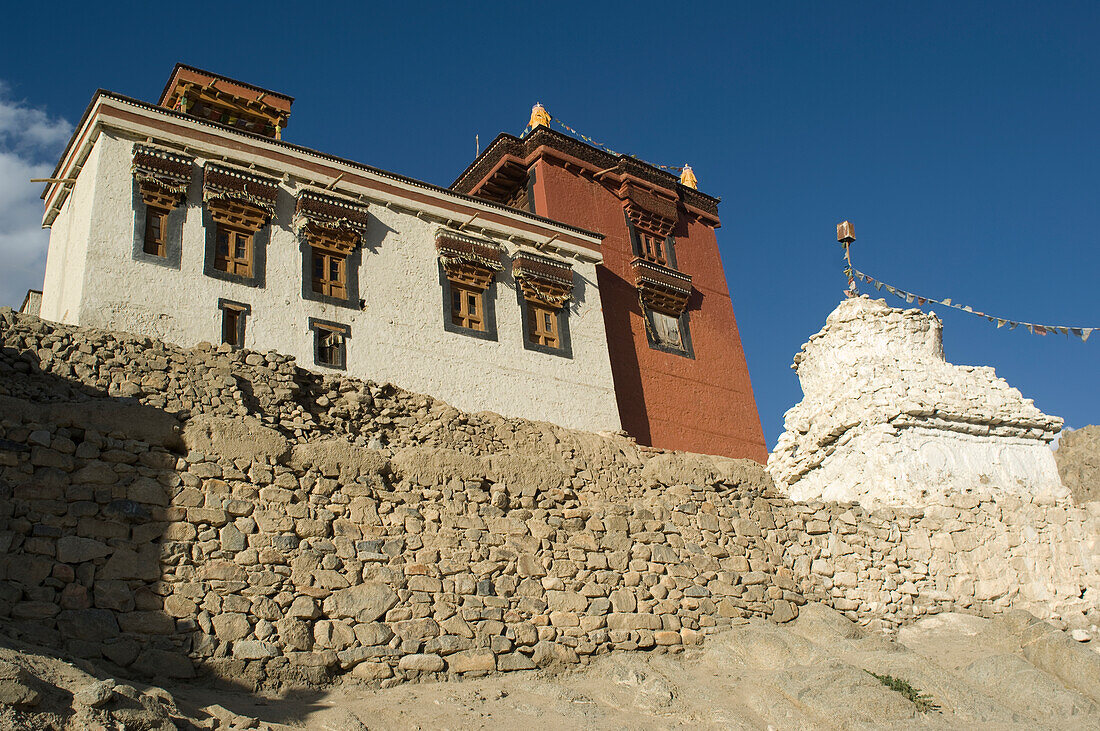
(922, 701)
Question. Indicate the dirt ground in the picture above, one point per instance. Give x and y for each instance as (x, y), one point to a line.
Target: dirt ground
(1007, 672)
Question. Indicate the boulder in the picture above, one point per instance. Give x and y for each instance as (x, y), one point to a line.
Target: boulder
(15, 686)
(363, 603)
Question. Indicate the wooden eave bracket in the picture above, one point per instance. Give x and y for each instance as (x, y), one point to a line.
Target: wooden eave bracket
(237, 213)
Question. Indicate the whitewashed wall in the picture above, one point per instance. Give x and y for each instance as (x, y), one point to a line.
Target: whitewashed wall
(66, 257)
(398, 337)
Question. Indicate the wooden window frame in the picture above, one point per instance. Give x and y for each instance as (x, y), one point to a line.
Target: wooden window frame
(470, 311)
(651, 247)
(542, 325)
(535, 338)
(152, 244)
(326, 285)
(231, 263)
(167, 252)
(240, 312)
(484, 289)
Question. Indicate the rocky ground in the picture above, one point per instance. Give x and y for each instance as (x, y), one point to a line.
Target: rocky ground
(952, 671)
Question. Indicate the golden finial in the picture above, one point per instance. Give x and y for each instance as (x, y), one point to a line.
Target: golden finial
(539, 116)
(688, 178)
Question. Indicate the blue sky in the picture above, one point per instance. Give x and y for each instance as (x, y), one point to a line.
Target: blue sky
(960, 138)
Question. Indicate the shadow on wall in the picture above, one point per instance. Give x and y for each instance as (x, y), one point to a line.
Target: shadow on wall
(620, 304)
(271, 552)
(91, 536)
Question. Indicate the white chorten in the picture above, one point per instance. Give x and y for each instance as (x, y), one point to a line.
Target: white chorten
(886, 420)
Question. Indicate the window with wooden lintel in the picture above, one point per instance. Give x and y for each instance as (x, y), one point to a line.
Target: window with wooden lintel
(468, 266)
(234, 317)
(161, 180)
(238, 206)
(329, 343)
(663, 295)
(330, 230)
(545, 288)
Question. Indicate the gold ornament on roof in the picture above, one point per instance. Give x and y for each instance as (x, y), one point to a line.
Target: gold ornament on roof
(687, 177)
(539, 116)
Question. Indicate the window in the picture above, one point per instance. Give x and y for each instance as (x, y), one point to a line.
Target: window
(467, 307)
(668, 333)
(329, 343)
(234, 315)
(542, 325)
(330, 273)
(667, 330)
(231, 324)
(233, 251)
(156, 232)
(651, 247)
(330, 348)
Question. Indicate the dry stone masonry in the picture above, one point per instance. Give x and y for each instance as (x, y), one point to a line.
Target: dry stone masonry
(170, 510)
(886, 420)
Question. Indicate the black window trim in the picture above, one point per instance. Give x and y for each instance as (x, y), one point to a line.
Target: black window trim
(566, 348)
(688, 351)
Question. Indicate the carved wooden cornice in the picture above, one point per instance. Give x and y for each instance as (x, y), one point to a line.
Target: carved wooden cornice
(239, 197)
(542, 279)
(468, 260)
(162, 175)
(330, 222)
(661, 288)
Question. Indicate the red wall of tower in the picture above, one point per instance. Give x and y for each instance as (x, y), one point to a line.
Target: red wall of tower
(665, 400)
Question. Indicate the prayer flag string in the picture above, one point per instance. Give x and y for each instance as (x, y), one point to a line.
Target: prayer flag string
(671, 168)
(852, 274)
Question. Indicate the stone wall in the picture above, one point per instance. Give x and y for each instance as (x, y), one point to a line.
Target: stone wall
(164, 507)
(1078, 459)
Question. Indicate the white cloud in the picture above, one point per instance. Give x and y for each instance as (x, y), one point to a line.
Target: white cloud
(30, 143)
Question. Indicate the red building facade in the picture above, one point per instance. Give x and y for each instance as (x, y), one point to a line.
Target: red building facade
(681, 379)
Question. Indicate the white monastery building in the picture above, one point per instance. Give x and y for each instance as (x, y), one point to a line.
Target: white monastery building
(191, 220)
